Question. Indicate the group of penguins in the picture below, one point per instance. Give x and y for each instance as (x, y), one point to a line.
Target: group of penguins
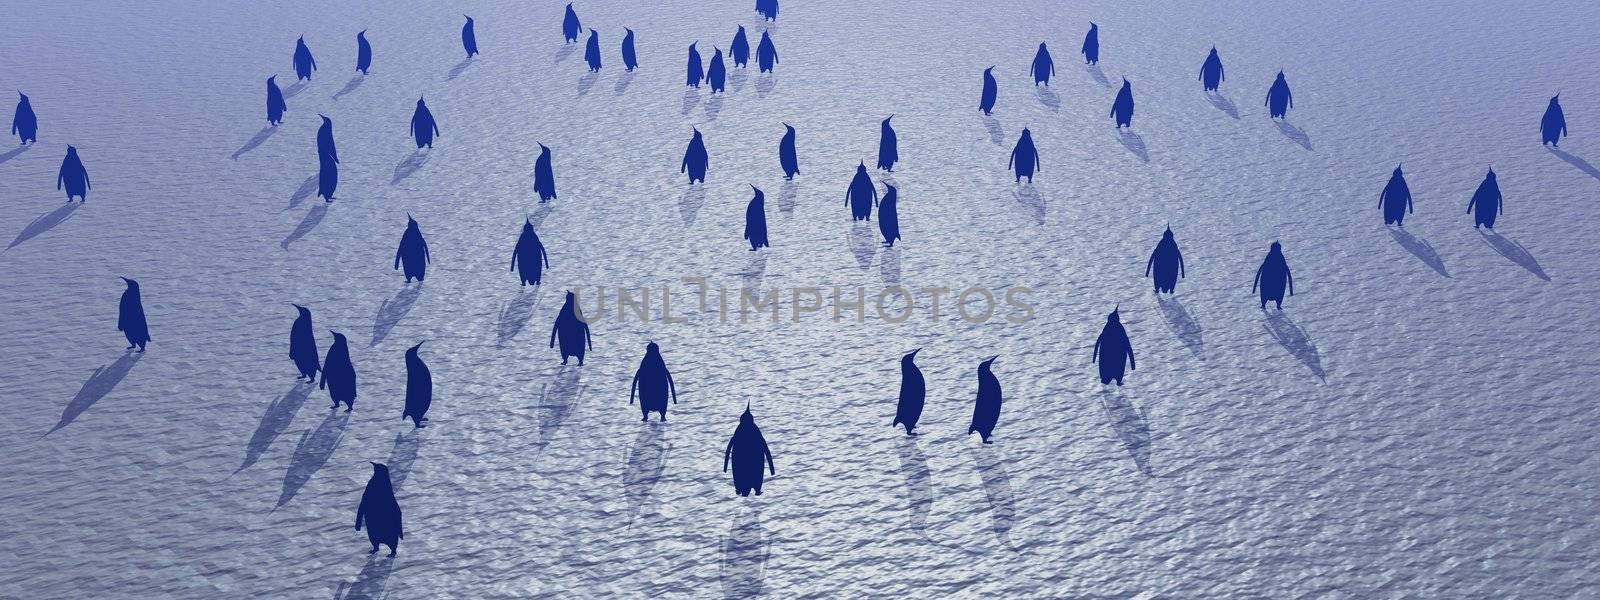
(747, 452)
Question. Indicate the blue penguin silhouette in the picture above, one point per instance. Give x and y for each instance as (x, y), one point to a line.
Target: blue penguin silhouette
(739, 50)
(339, 374)
(544, 177)
(913, 390)
(1211, 74)
(570, 27)
(423, 127)
(1091, 44)
(1279, 100)
(629, 59)
(696, 73)
(1025, 157)
(413, 252)
(275, 103)
(695, 159)
(990, 90)
(25, 125)
(1273, 276)
(419, 388)
(652, 382)
(889, 215)
(768, 9)
(571, 330)
(469, 40)
(325, 146)
(380, 512)
(986, 411)
(1487, 201)
(766, 53)
(303, 63)
(1395, 199)
(363, 52)
(755, 221)
(1122, 109)
(130, 317)
(327, 177)
(1042, 67)
(1553, 126)
(717, 73)
(531, 255)
(1113, 351)
(1166, 262)
(747, 451)
(888, 146)
(73, 176)
(786, 153)
(861, 195)
(591, 52)
(303, 345)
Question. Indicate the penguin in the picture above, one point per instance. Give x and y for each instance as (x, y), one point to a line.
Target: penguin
(888, 146)
(990, 90)
(1488, 202)
(1042, 67)
(1211, 74)
(303, 345)
(747, 451)
(469, 40)
(1167, 263)
(717, 73)
(1113, 351)
(570, 27)
(1395, 199)
(339, 374)
(630, 60)
(275, 103)
(327, 178)
(130, 317)
(419, 388)
(1272, 277)
(695, 159)
(25, 124)
(1122, 109)
(696, 73)
(889, 216)
(325, 146)
(739, 50)
(571, 330)
(986, 412)
(913, 390)
(380, 512)
(1025, 157)
(1279, 100)
(786, 154)
(766, 53)
(591, 52)
(423, 127)
(652, 382)
(73, 176)
(861, 195)
(413, 252)
(1553, 126)
(304, 64)
(363, 52)
(755, 221)
(531, 255)
(544, 177)
(1091, 44)
(769, 11)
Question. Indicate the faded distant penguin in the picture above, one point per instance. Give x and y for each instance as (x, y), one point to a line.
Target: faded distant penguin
(380, 512)
(1091, 44)
(304, 64)
(25, 125)
(986, 410)
(717, 73)
(130, 316)
(1211, 74)
(630, 61)
(889, 215)
(653, 382)
(591, 52)
(571, 331)
(1166, 262)
(423, 127)
(766, 52)
(419, 388)
(303, 345)
(786, 153)
(275, 103)
(1553, 126)
(570, 27)
(695, 71)
(1113, 351)
(1395, 199)
(861, 195)
(413, 252)
(1487, 202)
(1025, 157)
(339, 374)
(739, 50)
(73, 177)
(363, 52)
(1273, 277)
(469, 39)
(530, 256)
(747, 452)
(913, 390)
(695, 159)
(1122, 109)
(755, 221)
(1279, 100)
(544, 177)
(888, 146)
(1043, 67)
(990, 91)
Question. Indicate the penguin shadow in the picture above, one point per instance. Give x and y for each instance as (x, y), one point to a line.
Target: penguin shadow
(354, 83)
(863, 243)
(1513, 252)
(788, 196)
(647, 460)
(623, 82)
(392, 310)
(691, 97)
(313, 451)
(1047, 97)
(889, 266)
(538, 215)
(997, 486)
(307, 188)
(1420, 248)
(754, 268)
(404, 452)
(556, 401)
(1223, 104)
(1294, 339)
(461, 67)
(295, 89)
(412, 163)
(586, 82)
(1133, 143)
(259, 138)
(515, 315)
(1098, 75)
(1581, 164)
(99, 384)
(919, 484)
(14, 152)
(738, 78)
(274, 422)
(996, 132)
(45, 222)
(690, 202)
(1030, 202)
(312, 218)
(1132, 426)
(765, 85)
(714, 106)
(1182, 323)
(745, 552)
(566, 50)
(370, 583)
(1295, 134)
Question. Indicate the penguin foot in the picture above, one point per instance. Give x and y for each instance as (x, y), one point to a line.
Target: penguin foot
(988, 442)
(374, 550)
(348, 409)
(130, 347)
(646, 419)
(391, 553)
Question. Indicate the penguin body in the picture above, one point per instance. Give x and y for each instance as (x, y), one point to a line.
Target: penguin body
(544, 177)
(653, 384)
(570, 27)
(303, 345)
(423, 127)
(1395, 199)
(304, 64)
(1211, 73)
(469, 39)
(1025, 157)
(1091, 44)
(861, 195)
(1043, 67)
(739, 50)
(1279, 100)
(1273, 277)
(888, 146)
(1113, 351)
(766, 52)
(695, 159)
(755, 221)
(889, 215)
(986, 410)
(786, 153)
(275, 103)
(363, 52)
(1122, 108)
(571, 331)
(73, 176)
(747, 453)
(717, 73)
(990, 91)
(1166, 262)
(913, 392)
(696, 72)
(130, 316)
(339, 374)
(591, 52)
(25, 124)
(1487, 202)
(1553, 126)
(379, 512)
(412, 255)
(630, 60)
(419, 387)
(530, 256)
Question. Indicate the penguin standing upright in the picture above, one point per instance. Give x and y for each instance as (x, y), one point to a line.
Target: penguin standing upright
(380, 512)
(1025, 157)
(327, 177)
(1279, 100)
(1043, 67)
(786, 153)
(570, 27)
(888, 146)
(325, 146)
(739, 50)
(469, 39)
(544, 176)
(768, 9)
(419, 388)
(747, 451)
(990, 90)
(1167, 263)
(530, 255)
(1122, 109)
(303, 345)
(1091, 44)
(1211, 74)
(73, 176)
(652, 382)
(413, 252)
(695, 159)
(275, 103)
(591, 52)
(423, 127)
(339, 374)
(913, 390)
(630, 61)
(1113, 351)
(755, 221)
(889, 215)
(766, 52)
(1273, 276)
(1395, 199)
(986, 411)
(130, 317)
(25, 124)
(1487, 201)
(717, 73)
(1553, 126)
(861, 195)
(696, 73)
(363, 52)
(304, 64)
(571, 330)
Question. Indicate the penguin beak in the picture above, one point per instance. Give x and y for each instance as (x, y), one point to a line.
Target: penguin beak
(297, 306)
(913, 353)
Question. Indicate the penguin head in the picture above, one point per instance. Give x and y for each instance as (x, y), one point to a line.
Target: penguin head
(1042, 47)
(1280, 74)
(988, 70)
(691, 46)
(543, 149)
(338, 338)
(747, 418)
(1026, 134)
(789, 128)
(1093, 26)
(1276, 248)
(889, 191)
(1490, 176)
(759, 194)
(132, 285)
(410, 222)
(72, 150)
(1115, 318)
(861, 168)
(630, 31)
(379, 468)
(696, 133)
(469, 19)
(362, 34)
(527, 225)
(304, 312)
(886, 120)
(1397, 170)
(269, 80)
(420, 103)
(412, 351)
(571, 299)
(1126, 85)
(985, 366)
(717, 52)
(326, 122)
(1554, 100)
(1213, 51)
(24, 96)
(652, 349)
(1167, 235)
(301, 41)
(910, 356)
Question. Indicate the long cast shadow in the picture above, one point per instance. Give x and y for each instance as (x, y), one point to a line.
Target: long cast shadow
(745, 552)
(392, 310)
(889, 266)
(275, 421)
(755, 267)
(1420, 248)
(737, 79)
(566, 51)
(1294, 339)
(100, 383)
(714, 106)
(586, 83)
(996, 132)
(354, 83)
(691, 97)
(765, 84)
(1134, 144)
(690, 202)
(1182, 323)
(15, 152)
(919, 483)
(370, 583)
(538, 215)
(45, 222)
(404, 452)
(307, 188)
(997, 486)
(1098, 75)
(1581, 164)
(1223, 104)
(1031, 202)
(788, 198)
(1295, 134)
(295, 89)
(259, 138)
(1513, 252)
(556, 401)
(863, 243)
(412, 163)
(313, 451)
(457, 70)
(312, 218)
(623, 82)
(515, 315)
(1047, 97)
(647, 460)
(1132, 426)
